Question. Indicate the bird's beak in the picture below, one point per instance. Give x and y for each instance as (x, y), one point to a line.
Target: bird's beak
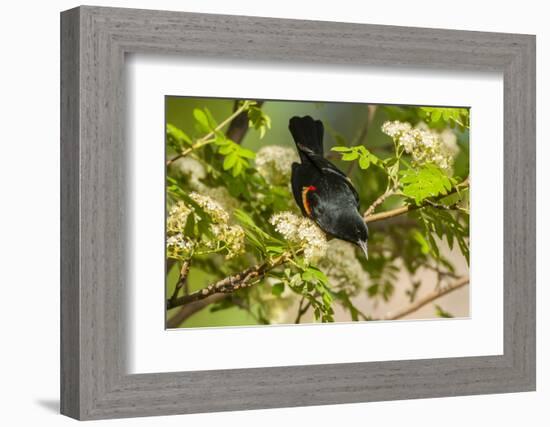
(363, 245)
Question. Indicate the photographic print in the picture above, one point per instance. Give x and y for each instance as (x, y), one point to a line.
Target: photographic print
(301, 212)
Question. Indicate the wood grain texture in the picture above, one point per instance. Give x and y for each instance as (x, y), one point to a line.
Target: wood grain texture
(94, 381)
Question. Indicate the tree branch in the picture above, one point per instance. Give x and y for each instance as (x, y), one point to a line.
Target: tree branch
(370, 217)
(438, 293)
(239, 125)
(207, 139)
(188, 310)
(229, 284)
(302, 309)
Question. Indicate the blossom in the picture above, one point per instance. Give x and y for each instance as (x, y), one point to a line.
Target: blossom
(196, 173)
(423, 144)
(211, 207)
(274, 163)
(302, 232)
(223, 236)
(178, 246)
(343, 268)
(192, 169)
(220, 195)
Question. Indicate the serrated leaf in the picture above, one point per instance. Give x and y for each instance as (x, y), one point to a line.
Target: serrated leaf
(428, 181)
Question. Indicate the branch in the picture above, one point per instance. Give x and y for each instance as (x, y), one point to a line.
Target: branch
(189, 309)
(369, 217)
(239, 125)
(389, 192)
(182, 280)
(462, 281)
(230, 284)
(207, 139)
(302, 309)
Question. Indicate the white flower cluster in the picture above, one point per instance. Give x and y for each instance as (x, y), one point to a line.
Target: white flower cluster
(343, 268)
(195, 173)
(274, 163)
(177, 245)
(423, 144)
(224, 235)
(302, 232)
(192, 168)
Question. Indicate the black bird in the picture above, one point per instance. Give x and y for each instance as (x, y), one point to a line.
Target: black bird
(322, 191)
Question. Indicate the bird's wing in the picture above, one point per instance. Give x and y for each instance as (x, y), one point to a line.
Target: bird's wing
(327, 167)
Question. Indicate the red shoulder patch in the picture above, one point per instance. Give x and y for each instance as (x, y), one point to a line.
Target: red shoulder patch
(305, 201)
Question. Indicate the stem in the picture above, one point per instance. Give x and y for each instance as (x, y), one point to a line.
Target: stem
(229, 284)
(207, 139)
(408, 208)
(390, 191)
(302, 309)
(182, 280)
(438, 293)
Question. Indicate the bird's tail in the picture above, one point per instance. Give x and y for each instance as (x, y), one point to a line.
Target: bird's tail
(307, 133)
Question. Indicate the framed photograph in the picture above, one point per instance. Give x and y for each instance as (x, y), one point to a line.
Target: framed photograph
(262, 213)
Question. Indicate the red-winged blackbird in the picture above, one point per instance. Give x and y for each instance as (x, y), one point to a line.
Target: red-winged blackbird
(322, 191)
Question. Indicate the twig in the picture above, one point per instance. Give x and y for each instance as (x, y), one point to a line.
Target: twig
(229, 284)
(389, 192)
(182, 280)
(408, 208)
(462, 281)
(207, 139)
(302, 309)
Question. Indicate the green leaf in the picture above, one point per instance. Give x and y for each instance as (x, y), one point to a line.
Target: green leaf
(176, 138)
(428, 181)
(238, 168)
(230, 161)
(278, 288)
(442, 313)
(189, 230)
(340, 149)
(226, 149)
(202, 120)
(350, 156)
(437, 116)
(210, 119)
(248, 154)
(364, 162)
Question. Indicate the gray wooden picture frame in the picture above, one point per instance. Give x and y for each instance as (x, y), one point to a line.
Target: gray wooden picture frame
(94, 382)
